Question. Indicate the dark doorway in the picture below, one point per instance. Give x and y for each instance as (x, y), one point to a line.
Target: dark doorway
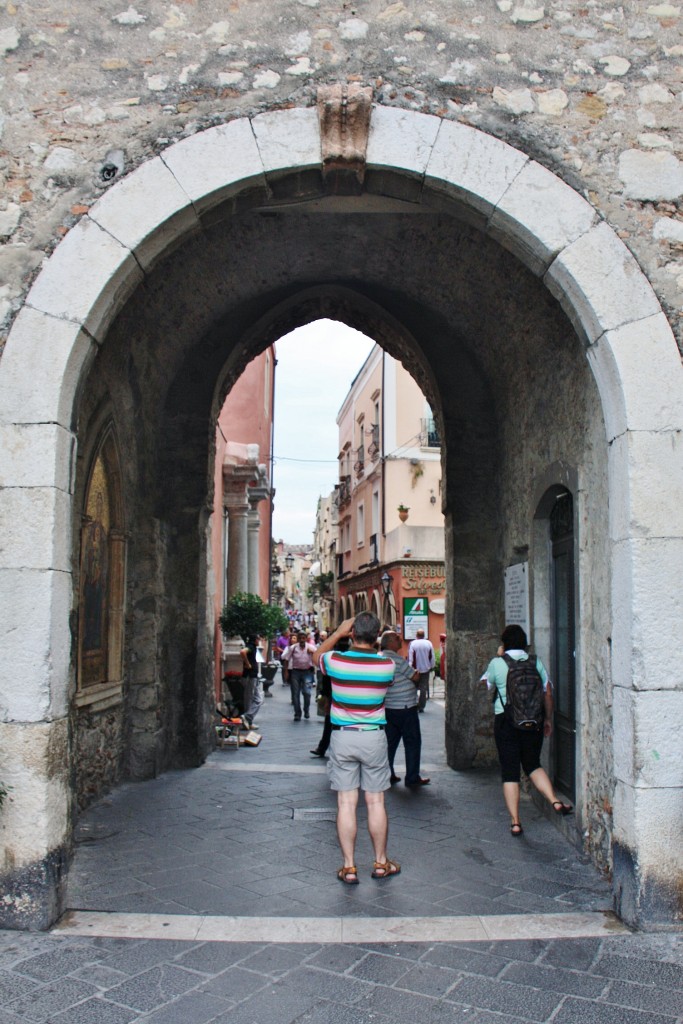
(563, 643)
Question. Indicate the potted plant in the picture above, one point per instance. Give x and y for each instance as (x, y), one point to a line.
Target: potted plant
(403, 511)
(247, 616)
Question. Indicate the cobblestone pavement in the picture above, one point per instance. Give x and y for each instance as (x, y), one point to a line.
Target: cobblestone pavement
(251, 835)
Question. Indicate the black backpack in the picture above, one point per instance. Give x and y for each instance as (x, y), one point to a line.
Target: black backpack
(524, 705)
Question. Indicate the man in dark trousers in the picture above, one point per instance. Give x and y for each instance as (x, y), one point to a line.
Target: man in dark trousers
(400, 706)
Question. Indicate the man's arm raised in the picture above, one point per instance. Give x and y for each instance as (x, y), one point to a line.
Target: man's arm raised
(345, 629)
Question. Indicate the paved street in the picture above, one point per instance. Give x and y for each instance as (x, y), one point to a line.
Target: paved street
(210, 895)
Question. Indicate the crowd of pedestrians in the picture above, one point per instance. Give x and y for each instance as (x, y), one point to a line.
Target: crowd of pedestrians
(370, 697)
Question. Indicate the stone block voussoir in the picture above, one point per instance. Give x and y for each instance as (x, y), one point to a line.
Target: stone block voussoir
(639, 374)
(538, 216)
(599, 284)
(87, 280)
(36, 455)
(401, 140)
(216, 164)
(42, 367)
(472, 167)
(148, 212)
(288, 140)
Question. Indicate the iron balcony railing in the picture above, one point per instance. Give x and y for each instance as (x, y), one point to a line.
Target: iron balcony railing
(430, 434)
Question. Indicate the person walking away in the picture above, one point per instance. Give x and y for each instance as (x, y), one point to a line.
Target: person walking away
(358, 747)
(421, 657)
(299, 658)
(323, 696)
(281, 645)
(400, 705)
(518, 729)
(252, 685)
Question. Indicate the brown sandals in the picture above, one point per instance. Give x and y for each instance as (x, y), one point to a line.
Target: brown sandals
(349, 876)
(385, 869)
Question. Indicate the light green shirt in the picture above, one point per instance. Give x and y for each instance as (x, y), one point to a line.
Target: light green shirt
(497, 674)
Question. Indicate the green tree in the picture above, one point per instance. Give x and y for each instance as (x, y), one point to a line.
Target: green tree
(246, 615)
(320, 585)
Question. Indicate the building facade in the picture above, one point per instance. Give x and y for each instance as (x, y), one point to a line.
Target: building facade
(323, 571)
(241, 528)
(390, 533)
(492, 193)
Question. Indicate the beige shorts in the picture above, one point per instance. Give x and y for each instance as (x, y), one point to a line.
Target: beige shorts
(358, 759)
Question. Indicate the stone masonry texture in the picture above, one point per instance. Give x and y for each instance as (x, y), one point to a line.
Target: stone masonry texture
(591, 90)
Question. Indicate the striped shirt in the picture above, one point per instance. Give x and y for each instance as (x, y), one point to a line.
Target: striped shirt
(359, 682)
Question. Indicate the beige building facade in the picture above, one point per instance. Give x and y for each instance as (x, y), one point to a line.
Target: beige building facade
(390, 535)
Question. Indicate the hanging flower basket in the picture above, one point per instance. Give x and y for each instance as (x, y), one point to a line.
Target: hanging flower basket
(403, 511)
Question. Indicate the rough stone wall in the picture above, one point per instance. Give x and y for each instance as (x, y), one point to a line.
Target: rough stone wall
(99, 750)
(591, 89)
(552, 403)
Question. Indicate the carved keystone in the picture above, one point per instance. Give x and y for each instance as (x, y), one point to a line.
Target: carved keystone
(344, 113)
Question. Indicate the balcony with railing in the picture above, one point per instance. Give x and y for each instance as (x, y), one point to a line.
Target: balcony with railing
(429, 434)
(343, 491)
(373, 446)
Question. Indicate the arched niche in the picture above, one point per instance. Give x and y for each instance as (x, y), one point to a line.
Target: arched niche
(98, 700)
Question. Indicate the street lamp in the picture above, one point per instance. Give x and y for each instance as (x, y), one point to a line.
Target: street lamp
(386, 580)
(289, 560)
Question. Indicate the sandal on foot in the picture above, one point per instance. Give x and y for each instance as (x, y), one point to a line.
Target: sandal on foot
(516, 828)
(349, 876)
(561, 808)
(385, 869)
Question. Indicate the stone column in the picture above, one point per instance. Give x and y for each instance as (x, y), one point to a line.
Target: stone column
(238, 561)
(253, 529)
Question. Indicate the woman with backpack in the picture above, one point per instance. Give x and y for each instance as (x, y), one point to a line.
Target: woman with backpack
(523, 709)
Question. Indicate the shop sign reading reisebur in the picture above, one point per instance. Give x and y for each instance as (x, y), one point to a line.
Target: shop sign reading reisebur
(415, 616)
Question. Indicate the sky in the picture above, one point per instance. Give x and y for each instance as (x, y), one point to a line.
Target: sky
(315, 367)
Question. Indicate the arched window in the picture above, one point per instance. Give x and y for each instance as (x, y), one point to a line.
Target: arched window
(102, 583)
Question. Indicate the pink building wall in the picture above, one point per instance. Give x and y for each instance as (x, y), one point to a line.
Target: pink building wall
(246, 418)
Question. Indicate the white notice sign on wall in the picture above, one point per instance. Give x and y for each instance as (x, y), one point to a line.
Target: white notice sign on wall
(517, 596)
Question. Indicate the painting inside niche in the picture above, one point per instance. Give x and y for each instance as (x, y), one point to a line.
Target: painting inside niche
(94, 604)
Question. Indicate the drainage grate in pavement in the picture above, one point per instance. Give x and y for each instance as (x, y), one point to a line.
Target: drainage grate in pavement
(313, 814)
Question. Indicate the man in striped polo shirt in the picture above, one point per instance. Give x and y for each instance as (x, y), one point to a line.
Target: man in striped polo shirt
(357, 755)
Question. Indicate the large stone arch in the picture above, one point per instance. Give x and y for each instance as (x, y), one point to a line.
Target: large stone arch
(418, 161)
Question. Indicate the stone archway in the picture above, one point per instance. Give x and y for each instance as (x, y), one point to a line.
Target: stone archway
(413, 162)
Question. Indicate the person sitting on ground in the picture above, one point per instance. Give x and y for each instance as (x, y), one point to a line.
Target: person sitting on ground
(520, 746)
